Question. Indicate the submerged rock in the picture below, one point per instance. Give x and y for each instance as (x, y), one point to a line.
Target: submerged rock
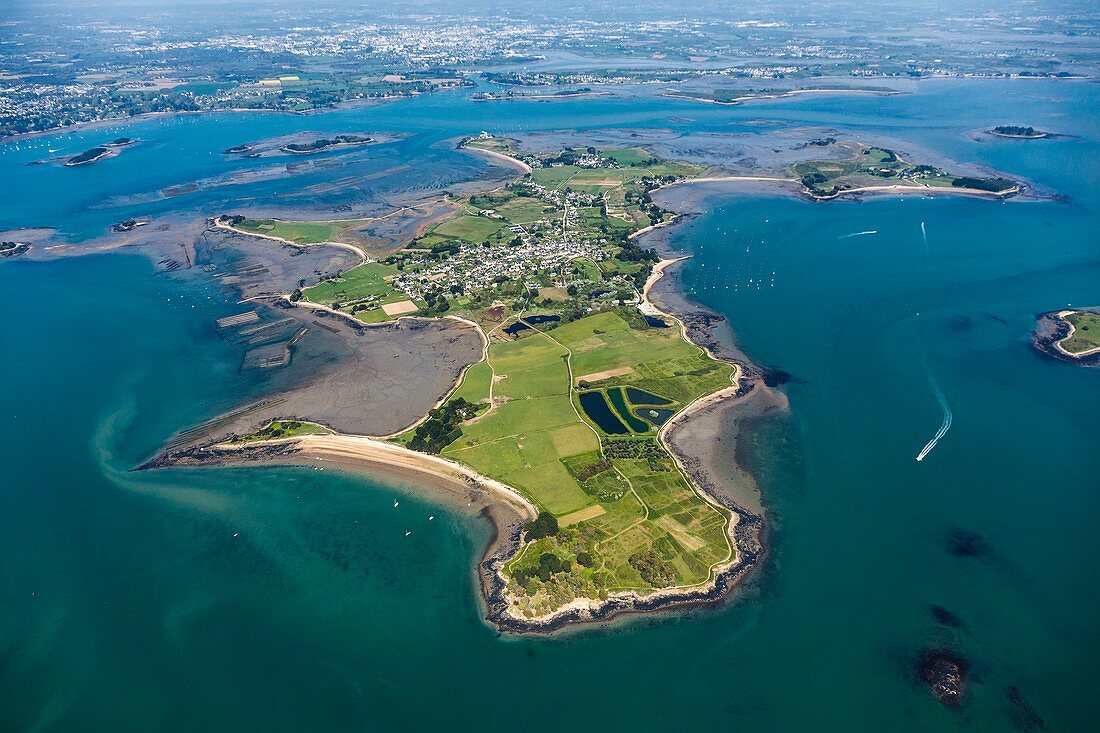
(964, 543)
(1024, 716)
(944, 673)
(945, 617)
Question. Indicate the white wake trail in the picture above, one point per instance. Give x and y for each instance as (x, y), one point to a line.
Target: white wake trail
(858, 234)
(948, 417)
(924, 236)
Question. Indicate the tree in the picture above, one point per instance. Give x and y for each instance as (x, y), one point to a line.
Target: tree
(546, 525)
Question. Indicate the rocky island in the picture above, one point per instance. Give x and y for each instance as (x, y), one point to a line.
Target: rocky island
(317, 146)
(1019, 133)
(100, 152)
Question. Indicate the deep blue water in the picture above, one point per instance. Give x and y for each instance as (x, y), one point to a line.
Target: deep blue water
(129, 604)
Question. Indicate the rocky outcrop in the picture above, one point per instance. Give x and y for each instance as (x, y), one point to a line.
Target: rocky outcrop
(944, 674)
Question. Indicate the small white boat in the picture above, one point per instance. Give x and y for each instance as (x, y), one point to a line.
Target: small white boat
(408, 532)
(395, 503)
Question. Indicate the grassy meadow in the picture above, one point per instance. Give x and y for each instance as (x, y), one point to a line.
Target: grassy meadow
(629, 517)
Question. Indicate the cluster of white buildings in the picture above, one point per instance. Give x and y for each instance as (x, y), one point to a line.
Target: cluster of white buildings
(542, 257)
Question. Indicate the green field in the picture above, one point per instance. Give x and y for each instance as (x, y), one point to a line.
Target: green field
(283, 429)
(524, 210)
(1086, 333)
(367, 281)
(629, 156)
(472, 229)
(645, 526)
(301, 232)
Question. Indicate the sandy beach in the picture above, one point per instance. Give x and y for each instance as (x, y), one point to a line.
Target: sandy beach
(499, 157)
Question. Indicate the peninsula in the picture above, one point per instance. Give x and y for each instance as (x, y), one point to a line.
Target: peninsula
(856, 168)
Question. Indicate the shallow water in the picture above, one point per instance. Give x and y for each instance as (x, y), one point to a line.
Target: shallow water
(291, 599)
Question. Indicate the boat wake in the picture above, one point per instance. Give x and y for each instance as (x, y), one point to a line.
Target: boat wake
(858, 234)
(924, 236)
(948, 417)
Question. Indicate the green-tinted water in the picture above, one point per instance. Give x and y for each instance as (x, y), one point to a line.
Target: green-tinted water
(291, 599)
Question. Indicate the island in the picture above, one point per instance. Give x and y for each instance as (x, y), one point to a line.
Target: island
(564, 413)
(564, 410)
(242, 150)
(1070, 335)
(737, 96)
(91, 155)
(100, 152)
(320, 145)
(557, 94)
(1021, 133)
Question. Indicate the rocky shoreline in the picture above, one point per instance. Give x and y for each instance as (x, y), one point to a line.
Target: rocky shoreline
(747, 534)
(209, 453)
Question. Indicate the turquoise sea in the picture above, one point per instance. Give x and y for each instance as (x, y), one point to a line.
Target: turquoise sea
(290, 600)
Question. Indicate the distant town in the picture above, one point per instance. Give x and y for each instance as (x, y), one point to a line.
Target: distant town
(103, 63)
